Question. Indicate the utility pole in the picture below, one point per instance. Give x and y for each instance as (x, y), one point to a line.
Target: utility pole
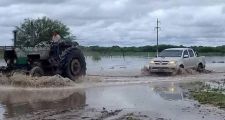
(157, 38)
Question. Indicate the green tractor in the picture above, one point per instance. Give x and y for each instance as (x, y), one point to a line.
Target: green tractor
(63, 58)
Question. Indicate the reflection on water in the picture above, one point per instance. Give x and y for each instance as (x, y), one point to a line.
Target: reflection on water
(21, 102)
(165, 99)
(141, 97)
(169, 91)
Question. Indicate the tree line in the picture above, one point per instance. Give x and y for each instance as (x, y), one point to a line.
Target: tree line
(201, 49)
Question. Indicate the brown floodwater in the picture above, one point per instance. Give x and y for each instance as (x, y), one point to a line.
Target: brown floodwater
(167, 99)
(149, 94)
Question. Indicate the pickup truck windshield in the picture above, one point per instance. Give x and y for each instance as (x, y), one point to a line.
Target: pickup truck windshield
(171, 53)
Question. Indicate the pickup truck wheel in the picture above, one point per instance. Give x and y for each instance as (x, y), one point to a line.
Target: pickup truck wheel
(175, 72)
(181, 66)
(200, 68)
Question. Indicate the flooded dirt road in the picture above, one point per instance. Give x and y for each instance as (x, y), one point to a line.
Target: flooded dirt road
(165, 100)
(132, 65)
(114, 89)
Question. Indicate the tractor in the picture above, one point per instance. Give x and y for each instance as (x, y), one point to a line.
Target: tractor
(63, 58)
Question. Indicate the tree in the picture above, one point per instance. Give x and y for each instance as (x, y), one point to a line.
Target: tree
(33, 31)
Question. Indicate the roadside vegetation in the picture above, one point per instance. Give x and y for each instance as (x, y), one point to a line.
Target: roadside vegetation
(207, 93)
(35, 31)
(150, 50)
(214, 97)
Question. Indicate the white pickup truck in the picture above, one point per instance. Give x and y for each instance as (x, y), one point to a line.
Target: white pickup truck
(173, 59)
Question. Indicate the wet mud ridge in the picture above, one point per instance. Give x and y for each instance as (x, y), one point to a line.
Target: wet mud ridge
(145, 72)
(89, 114)
(20, 80)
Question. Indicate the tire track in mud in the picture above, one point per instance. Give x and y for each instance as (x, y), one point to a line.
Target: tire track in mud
(147, 74)
(185, 75)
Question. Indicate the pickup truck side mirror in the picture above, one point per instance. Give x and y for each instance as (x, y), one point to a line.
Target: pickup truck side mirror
(186, 56)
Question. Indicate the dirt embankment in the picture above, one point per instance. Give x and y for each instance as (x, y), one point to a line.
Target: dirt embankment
(26, 81)
(20, 80)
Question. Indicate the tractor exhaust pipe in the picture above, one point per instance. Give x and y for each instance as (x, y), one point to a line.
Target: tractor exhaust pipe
(14, 37)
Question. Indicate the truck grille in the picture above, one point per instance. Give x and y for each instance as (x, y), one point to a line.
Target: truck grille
(162, 68)
(161, 62)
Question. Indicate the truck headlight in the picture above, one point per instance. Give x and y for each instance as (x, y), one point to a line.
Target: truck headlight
(152, 62)
(173, 62)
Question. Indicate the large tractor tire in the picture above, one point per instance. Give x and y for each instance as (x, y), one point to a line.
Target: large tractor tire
(72, 62)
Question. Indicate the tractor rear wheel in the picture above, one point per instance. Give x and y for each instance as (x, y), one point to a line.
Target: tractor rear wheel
(73, 63)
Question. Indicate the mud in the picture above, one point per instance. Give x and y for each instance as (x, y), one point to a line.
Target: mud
(155, 101)
(110, 92)
(21, 80)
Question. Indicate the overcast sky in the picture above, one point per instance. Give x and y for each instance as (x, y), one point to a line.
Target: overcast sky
(124, 22)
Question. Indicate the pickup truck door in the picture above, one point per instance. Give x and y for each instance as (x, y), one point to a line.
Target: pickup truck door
(193, 58)
(186, 59)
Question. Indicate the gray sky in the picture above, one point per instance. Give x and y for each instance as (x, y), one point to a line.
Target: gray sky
(124, 22)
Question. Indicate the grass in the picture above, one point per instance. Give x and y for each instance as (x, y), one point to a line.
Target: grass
(204, 93)
(212, 54)
(215, 98)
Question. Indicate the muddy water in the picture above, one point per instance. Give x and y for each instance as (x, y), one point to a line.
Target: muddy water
(116, 66)
(132, 65)
(16, 102)
(165, 100)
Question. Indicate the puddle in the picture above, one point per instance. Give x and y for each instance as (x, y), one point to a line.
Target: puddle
(164, 99)
(18, 102)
